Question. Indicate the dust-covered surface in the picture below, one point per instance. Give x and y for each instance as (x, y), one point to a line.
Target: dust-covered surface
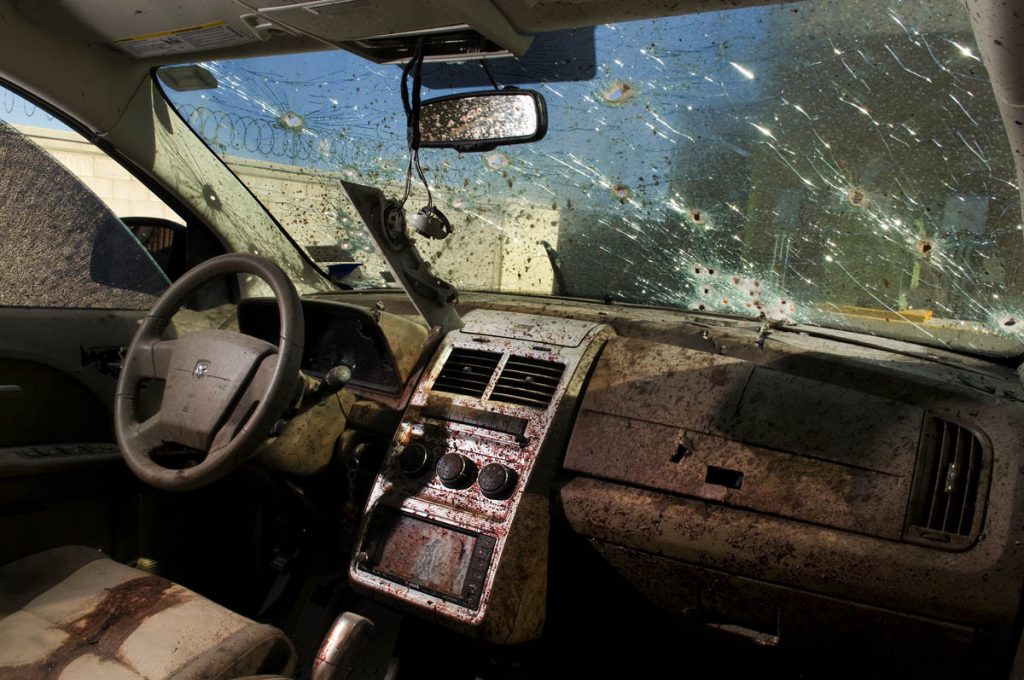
(60, 246)
(473, 119)
(833, 163)
(221, 201)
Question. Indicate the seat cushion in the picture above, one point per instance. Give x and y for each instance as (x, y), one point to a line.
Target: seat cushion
(70, 613)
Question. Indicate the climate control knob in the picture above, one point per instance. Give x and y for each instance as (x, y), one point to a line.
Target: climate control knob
(414, 460)
(455, 470)
(496, 481)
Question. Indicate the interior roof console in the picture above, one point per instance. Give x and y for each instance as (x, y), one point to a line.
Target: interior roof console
(456, 526)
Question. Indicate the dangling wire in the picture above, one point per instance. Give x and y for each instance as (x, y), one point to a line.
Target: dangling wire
(490, 76)
(423, 178)
(408, 180)
(411, 104)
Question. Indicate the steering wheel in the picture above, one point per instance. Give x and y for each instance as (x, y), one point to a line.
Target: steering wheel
(223, 390)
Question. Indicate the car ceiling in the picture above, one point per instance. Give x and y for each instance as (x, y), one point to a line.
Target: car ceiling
(273, 26)
(88, 57)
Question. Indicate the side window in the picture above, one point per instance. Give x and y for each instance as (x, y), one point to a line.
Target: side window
(61, 242)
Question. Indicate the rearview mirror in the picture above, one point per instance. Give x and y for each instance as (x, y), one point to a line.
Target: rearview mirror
(480, 121)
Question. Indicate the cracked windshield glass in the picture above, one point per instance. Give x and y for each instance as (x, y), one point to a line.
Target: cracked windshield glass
(840, 164)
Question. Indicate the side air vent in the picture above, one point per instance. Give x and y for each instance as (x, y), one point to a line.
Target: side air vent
(528, 382)
(467, 372)
(945, 503)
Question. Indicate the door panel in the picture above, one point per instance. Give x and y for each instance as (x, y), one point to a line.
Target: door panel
(58, 373)
(41, 405)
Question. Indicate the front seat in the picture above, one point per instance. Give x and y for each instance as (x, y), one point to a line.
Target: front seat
(71, 613)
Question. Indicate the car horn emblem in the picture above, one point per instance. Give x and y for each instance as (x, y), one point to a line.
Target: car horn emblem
(200, 370)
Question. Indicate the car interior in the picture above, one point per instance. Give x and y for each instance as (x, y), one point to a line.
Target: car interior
(221, 457)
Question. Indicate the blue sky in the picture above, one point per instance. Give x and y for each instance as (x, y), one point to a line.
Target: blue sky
(14, 109)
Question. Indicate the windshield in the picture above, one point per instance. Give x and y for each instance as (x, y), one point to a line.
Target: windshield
(832, 163)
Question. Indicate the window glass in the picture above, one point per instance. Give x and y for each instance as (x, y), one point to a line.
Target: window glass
(60, 245)
(123, 193)
(838, 162)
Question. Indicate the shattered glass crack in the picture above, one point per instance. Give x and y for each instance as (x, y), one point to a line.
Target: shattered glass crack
(832, 163)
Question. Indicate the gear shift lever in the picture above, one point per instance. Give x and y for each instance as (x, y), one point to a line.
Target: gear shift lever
(341, 646)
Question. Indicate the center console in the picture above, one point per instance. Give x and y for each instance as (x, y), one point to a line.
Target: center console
(456, 525)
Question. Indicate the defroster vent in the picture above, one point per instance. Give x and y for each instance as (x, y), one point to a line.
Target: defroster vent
(467, 372)
(946, 496)
(528, 382)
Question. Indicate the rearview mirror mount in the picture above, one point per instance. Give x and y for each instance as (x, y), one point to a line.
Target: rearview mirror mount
(481, 121)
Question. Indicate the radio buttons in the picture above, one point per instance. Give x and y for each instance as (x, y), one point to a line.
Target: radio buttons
(455, 470)
(496, 481)
(414, 460)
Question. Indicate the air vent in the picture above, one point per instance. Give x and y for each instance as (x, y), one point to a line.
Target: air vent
(528, 382)
(945, 498)
(467, 372)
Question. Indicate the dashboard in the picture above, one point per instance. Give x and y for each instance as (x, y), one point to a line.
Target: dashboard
(791, 493)
(335, 334)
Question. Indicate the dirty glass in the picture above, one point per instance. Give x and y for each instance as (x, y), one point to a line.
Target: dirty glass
(60, 245)
(832, 163)
(478, 118)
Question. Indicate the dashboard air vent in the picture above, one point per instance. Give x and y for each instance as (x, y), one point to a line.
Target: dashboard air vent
(528, 382)
(467, 372)
(945, 499)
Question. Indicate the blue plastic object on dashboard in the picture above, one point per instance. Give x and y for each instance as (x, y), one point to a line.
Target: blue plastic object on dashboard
(343, 269)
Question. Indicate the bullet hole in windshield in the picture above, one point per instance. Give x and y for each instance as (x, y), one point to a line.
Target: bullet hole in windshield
(617, 93)
(496, 160)
(621, 192)
(925, 247)
(290, 120)
(210, 197)
(857, 197)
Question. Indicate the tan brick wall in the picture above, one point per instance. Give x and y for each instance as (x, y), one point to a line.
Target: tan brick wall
(115, 186)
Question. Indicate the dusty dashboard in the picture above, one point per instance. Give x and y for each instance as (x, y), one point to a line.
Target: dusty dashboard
(335, 334)
(807, 495)
(453, 528)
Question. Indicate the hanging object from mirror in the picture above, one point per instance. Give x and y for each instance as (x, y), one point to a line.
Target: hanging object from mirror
(477, 121)
(428, 221)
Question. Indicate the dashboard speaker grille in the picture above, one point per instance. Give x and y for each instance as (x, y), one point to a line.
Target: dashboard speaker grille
(528, 382)
(945, 498)
(467, 372)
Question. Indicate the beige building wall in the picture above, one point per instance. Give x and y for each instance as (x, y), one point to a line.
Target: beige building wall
(505, 255)
(125, 195)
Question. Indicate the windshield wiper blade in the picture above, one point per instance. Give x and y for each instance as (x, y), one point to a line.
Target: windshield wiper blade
(556, 268)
